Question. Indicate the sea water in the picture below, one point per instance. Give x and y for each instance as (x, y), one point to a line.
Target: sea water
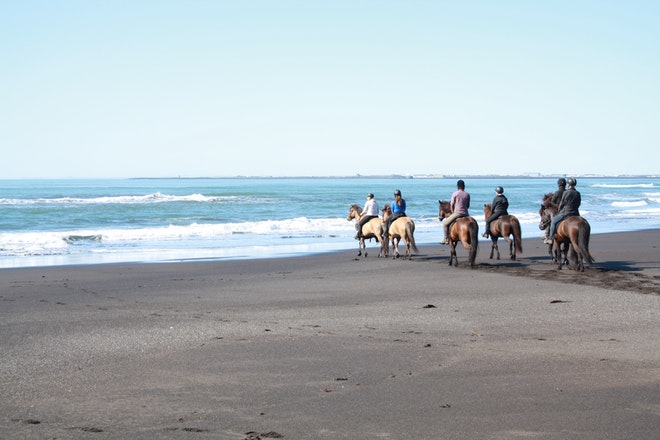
(59, 222)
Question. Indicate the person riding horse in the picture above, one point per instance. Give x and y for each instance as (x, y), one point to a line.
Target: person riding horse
(556, 198)
(370, 211)
(398, 210)
(500, 207)
(568, 206)
(459, 203)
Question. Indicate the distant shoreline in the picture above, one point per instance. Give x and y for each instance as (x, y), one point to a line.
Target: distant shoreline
(416, 176)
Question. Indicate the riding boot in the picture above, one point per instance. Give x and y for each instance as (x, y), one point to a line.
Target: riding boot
(446, 229)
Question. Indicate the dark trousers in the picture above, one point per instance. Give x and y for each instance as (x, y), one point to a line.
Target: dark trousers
(363, 222)
(389, 221)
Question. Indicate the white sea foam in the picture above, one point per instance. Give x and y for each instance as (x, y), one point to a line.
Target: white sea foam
(622, 185)
(629, 204)
(132, 200)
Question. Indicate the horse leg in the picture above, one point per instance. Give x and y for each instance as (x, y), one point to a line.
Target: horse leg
(494, 247)
(453, 259)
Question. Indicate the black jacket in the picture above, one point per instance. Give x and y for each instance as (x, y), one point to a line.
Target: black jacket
(570, 202)
(500, 205)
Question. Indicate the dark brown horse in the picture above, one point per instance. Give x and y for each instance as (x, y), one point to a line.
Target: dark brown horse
(504, 226)
(372, 229)
(464, 230)
(571, 237)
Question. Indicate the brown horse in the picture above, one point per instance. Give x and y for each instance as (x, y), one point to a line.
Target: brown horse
(504, 226)
(464, 230)
(403, 228)
(372, 229)
(574, 231)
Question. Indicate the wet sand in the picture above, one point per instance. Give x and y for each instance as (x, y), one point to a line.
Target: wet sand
(335, 347)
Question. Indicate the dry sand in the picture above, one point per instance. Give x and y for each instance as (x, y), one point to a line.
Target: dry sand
(333, 347)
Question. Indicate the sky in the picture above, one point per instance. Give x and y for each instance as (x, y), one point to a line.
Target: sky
(213, 88)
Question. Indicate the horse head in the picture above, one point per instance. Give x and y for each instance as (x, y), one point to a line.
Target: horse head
(444, 209)
(387, 211)
(354, 212)
(488, 210)
(546, 217)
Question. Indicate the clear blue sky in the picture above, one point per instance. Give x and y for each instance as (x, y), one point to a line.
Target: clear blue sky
(288, 88)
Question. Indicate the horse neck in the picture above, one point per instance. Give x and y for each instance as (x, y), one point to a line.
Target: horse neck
(488, 210)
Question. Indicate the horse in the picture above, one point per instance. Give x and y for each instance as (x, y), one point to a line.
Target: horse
(464, 230)
(403, 228)
(372, 229)
(571, 237)
(504, 226)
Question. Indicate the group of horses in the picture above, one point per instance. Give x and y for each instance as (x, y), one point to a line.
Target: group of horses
(571, 240)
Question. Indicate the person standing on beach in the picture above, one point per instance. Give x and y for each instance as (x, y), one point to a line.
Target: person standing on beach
(370, 211)
(398, 210)
(568, 206)
(459, 203)
(500, 207)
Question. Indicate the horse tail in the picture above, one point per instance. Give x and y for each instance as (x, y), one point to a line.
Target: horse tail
(474, 241)
(583, 242)
(517, 235)
(410, 230)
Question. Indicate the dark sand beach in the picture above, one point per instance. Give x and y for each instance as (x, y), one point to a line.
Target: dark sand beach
(334, 347)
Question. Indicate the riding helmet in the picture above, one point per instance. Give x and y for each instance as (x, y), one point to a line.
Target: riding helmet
(571, 181)
(499, 190)
(370, 196)
(397, 192)
(561, 181)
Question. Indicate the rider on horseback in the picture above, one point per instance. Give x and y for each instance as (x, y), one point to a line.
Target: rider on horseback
(500, 205)
(398, 210)
(561, 187)
(459, 203)
(568, 206)
(370, 211)
(556, 199)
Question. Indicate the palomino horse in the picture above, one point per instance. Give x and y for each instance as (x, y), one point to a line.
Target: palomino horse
(504, 226)
(403, 228)
(372, 229)
(574, 231)
(464, 230)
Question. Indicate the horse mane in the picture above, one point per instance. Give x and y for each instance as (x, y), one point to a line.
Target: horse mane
(387, 209)
(357, 208)
(488, 209)
(547, 200)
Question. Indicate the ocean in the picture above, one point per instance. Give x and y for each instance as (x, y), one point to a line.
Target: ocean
(64, 222)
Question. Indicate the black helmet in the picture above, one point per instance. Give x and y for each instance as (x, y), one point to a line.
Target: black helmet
(397, 192)
(499, 190)
(561, 181)
(370, 196)
(460, 184)
(571, 181)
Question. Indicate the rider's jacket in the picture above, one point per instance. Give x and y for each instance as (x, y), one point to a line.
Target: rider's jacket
(460, 200)
(570, 202)
(370, 208)
(556, 196)
(500, 205)
(399, 209)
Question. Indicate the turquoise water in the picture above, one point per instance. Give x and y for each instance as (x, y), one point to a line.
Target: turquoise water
(53, 222)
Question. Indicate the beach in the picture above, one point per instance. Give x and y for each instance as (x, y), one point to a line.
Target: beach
(332, 346)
